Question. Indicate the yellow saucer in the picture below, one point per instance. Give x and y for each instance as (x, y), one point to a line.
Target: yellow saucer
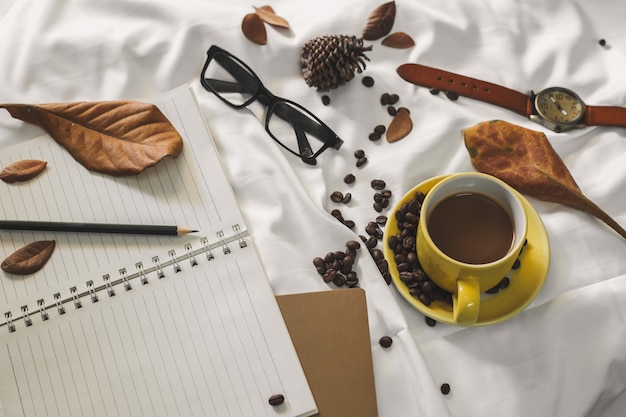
(526, 281)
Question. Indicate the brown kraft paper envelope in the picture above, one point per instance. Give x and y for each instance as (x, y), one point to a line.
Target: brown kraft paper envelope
(330, 332)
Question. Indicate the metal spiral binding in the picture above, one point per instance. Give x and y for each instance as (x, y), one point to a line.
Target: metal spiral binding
(109, 286)
(92, 291)
(125, 281)
(42, 309)
(141, 273)
(223, 243)
(242, 241)
(26, 317)
(77, 303)
(174, 261)
(9, 318)
(59, 303)
(143, 278)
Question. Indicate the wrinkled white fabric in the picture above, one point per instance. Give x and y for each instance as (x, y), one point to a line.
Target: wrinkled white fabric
(565, 355)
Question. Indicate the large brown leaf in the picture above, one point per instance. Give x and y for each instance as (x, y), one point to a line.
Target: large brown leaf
(112, 137)
(30, 258)
(526, 160)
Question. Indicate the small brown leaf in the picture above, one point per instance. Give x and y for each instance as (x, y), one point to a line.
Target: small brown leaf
(525, 159)
(398, 40)
(380, 21)
(29, 259)
(254, 29)
(400, 126)
(112, 137)
(23, 170)
(267, 14)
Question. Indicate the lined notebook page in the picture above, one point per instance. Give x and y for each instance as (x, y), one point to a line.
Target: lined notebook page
(203, 340)
(189, 191)
(206, 341)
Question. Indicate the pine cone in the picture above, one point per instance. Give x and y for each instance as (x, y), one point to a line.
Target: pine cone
(330, 61)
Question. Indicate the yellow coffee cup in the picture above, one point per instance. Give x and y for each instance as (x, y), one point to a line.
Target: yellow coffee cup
(472, 228)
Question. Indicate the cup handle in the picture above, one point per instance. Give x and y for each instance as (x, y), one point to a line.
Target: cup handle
(467, 301)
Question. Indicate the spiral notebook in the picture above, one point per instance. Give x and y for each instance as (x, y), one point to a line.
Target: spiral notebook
(130, 325)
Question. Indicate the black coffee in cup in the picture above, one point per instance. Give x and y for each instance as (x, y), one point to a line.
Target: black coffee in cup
(471, 228)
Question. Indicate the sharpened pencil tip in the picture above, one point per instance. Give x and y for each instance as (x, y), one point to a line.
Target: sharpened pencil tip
(184, 230)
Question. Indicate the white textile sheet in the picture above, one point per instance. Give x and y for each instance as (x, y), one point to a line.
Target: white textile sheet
(565, 355)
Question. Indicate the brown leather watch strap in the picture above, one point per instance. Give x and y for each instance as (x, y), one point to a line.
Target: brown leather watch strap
(605, 116)
(467, 87)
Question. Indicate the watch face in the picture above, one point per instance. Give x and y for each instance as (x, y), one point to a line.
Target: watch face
(559, 105)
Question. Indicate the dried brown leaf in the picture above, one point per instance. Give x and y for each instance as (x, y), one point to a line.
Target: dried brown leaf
(23, 170)
(30, 258)
(398, 40)
(400, 126)
(525, 159)
(112, 137)
(267, 14)
(380, 21)
(254, 29)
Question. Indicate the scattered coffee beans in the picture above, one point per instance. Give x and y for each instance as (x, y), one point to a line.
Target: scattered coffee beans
(392, 111)
(349, 179)
(336, 213)
(385, 341)
(361, 161)
(276, 399)
(367, 81)
(359, 153)
(325, 100)
(336, 196)
(445, 389)
(378, 184)
(336, 267)
(452, 95)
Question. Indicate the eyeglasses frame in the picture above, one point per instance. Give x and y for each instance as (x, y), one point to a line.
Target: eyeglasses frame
(267, 98)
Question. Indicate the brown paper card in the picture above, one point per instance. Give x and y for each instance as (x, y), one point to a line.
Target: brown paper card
(330, 332)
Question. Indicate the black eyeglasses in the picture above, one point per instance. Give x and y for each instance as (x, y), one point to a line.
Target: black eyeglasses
(288, 123)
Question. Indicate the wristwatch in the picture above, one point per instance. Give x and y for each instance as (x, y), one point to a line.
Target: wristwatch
(557, 108)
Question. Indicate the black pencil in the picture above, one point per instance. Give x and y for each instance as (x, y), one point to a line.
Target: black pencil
(136, 229)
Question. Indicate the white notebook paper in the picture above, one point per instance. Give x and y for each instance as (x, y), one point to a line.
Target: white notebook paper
(128, 325)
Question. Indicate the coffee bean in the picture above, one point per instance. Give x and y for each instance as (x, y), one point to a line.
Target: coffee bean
(371, 242)
(602, 42)
(367, 81)
(380, 129)
(392, 111)
(385, 341)
(374, 136)
(349, 179)
(452, 95)
(393, 98)
(434, 91)
(381, 220)
(359, 153)
(430, 322)
(425, 299)
(353, 244)
(378, 184)
(361, 161)
(336, 196)
(325, 100)
(384, 99)
(346, 198)
(319, 262)
(349, 223)
(276, 399)
(445, 389)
